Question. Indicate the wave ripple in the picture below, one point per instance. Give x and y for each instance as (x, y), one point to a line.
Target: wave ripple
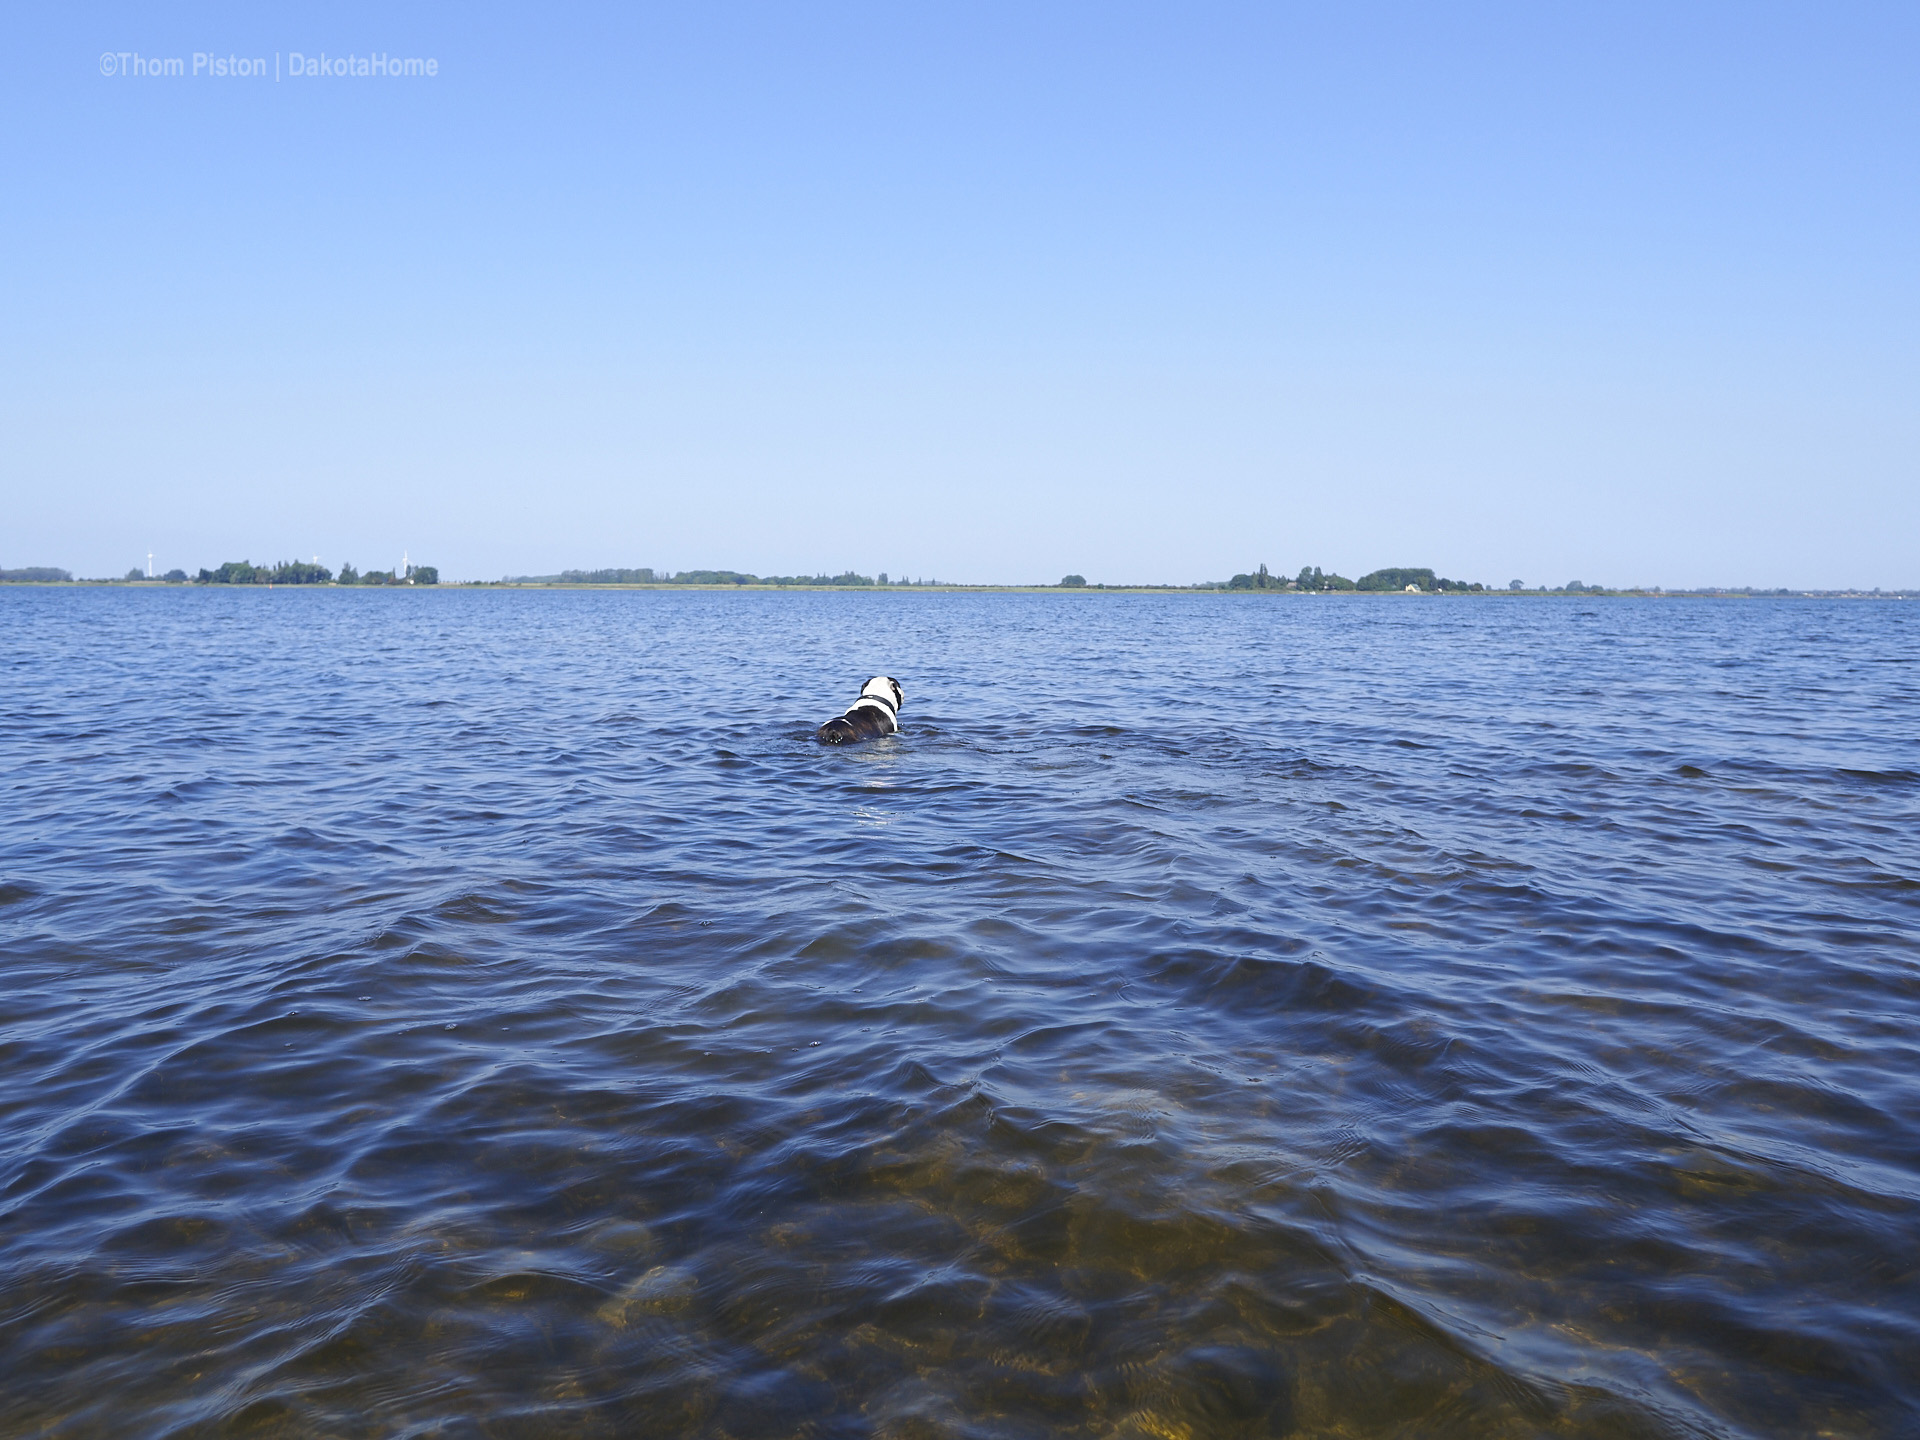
(436, 1014)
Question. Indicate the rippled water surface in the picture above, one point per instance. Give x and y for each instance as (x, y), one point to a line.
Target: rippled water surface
(477, 1013)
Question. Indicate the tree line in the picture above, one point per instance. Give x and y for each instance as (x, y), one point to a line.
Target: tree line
(1313, 579)
(646, 575)
(302, 572)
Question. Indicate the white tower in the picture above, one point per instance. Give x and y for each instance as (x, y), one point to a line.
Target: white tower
(149, 564)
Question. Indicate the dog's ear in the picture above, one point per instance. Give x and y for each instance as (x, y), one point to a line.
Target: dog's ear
(899, 695)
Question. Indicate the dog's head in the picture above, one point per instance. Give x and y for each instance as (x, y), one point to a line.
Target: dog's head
(886, 688)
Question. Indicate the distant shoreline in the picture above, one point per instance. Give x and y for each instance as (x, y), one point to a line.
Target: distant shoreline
(1729, 593)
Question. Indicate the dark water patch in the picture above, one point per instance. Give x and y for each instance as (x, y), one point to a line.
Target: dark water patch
(1883, 777)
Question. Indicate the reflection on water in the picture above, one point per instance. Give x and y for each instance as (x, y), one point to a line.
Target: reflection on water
(428, 1014)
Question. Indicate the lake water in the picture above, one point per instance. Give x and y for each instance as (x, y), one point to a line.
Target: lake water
(488, 1013)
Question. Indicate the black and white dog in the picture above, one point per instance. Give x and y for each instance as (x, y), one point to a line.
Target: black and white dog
(875, 713)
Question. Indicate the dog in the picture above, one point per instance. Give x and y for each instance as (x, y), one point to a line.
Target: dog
(875, 713)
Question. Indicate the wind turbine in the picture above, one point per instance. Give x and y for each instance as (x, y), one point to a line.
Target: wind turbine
(149, 564)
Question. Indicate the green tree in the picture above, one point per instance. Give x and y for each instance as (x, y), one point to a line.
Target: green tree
(641, 576)
(1312, 578)
(297, 572)
(1398, 579)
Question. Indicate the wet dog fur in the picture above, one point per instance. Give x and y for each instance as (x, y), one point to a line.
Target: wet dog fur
(875, 713)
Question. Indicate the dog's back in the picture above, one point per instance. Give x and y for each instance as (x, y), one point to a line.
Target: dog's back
(874, 714)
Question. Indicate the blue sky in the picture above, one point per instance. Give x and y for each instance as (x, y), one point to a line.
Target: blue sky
(1623, 293)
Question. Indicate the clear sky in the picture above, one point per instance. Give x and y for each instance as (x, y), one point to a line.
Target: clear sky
(1617, 292)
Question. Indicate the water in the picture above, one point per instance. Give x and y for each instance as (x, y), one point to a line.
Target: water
(489, 1014)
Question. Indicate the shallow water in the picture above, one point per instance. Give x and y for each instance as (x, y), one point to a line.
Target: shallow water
(478, 1013)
